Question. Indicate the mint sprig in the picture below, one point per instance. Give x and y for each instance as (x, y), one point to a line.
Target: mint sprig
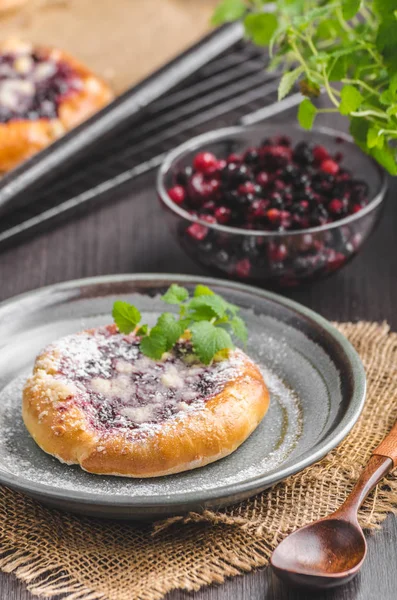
(348, 48)
(205, 317)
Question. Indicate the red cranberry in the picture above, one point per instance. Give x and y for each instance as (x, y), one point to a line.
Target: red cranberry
(277, 252)
(335, 260)
(278, 155)
(177, 194)
(197, 231)
(259, 208)
(329, 166)
(223, 214)
(320, 154)
(335, 207)
(208, 218)
(356, 208)
(243, 268)
(234, 158)
(209, 206)
(262, 178)
(247, 188)
(204, 162)
(273, 215)
(200, 189)
(279, 185)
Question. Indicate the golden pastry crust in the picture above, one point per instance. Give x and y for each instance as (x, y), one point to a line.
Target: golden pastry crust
(21, 138)
(61, 427)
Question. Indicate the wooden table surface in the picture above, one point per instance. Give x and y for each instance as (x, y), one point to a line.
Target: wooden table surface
(129, 235)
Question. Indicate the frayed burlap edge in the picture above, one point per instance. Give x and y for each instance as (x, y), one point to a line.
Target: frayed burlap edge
(88, 559)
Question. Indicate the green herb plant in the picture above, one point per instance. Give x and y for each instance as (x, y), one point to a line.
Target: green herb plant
(346, 47)
(205, 318)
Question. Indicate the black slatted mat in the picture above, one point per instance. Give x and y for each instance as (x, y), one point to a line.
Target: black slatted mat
(229, 87)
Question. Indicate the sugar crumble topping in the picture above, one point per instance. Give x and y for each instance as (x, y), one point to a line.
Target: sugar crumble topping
(119, 388)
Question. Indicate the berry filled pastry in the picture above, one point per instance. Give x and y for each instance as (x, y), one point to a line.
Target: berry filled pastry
(116, 404)
(43, 94)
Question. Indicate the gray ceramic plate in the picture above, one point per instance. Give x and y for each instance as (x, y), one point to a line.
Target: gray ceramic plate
(316, 379)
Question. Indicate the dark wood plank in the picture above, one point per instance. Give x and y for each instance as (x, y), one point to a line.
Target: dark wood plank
(130, 236)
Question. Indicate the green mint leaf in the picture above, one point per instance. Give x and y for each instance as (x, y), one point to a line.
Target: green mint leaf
(386, 98)
(170, 328)
(287, 81)
(239, 329)
(175, 294)
(154, 345)
(385, 8)
(386, 42)
(393, 84)
(306, 114)
(359, 131)
(203, 290)
(143, 330)
(351, 99)
(338, 69)
(207, 307)
(228, 10)
(350, 8)
(385, 157)
(373, 138)
(260, 28)
(126, 316)
(207, 340)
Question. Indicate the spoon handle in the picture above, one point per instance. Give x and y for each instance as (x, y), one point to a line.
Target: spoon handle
(382, 461)
(388, 447)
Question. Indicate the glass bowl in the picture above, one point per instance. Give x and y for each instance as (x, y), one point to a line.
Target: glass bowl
(282, 258)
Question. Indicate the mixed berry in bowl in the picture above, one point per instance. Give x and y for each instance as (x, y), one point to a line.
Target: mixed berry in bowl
(271, 204)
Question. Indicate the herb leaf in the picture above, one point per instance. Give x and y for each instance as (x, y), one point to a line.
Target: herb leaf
(350, 42)
(228, 10)
(154, 345)
(239, 329)
(207, 307)
(208, 340)
(350, 8)
(306, 114)
(125, 316)
(261, 27)
(170, 328)
(287, 81)
(202, 290)
(351, 99)
(206, 318)
(175, 294)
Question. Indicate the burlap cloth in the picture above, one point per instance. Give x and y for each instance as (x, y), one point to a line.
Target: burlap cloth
(90, 559)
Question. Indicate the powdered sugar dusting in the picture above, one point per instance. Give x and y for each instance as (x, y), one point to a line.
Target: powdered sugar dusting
(120, 389)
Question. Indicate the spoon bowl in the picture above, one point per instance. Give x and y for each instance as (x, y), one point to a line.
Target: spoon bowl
(331, 551)
(321, 555)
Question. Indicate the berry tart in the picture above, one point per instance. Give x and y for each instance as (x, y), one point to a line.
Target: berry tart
(95, 400)
(44, 92)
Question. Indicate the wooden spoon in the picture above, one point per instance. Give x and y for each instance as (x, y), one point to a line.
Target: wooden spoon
(330, 551)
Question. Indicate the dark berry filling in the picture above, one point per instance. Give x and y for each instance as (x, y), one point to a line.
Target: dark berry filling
(272, 187)
(120, 388)
(33, 85)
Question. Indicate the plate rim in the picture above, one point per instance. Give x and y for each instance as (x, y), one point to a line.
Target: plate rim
(242, 489)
